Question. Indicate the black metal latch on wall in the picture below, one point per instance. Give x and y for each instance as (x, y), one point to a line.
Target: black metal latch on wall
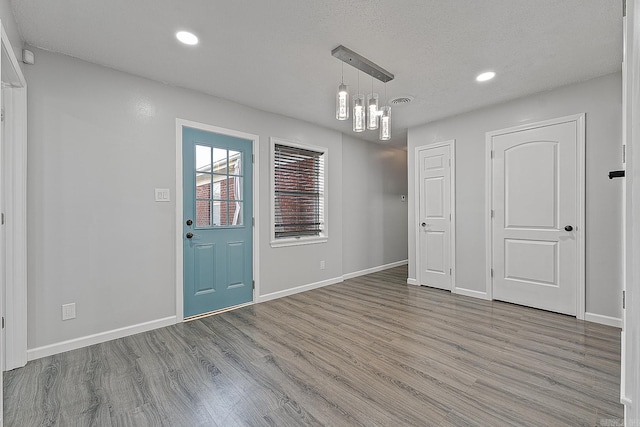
(616, 174)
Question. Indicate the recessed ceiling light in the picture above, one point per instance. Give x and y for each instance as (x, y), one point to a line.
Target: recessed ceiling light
(187, 38)
(486, 76)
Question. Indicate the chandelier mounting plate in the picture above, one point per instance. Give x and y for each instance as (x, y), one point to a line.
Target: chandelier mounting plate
(361, 63)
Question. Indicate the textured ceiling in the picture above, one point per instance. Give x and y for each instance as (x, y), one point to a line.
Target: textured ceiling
(275, 55)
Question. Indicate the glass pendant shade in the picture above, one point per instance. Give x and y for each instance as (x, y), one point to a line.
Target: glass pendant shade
(342, 102)
(372, 111)
(385, 123)
(359, 113)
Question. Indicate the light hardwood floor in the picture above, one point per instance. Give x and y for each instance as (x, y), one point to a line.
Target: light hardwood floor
(369, 351)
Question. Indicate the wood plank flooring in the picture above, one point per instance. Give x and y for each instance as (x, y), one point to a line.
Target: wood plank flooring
(369, 351)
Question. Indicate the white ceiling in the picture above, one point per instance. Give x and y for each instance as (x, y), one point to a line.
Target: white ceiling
(275, 55)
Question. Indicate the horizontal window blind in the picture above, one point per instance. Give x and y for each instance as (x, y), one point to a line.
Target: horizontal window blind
(298, 191)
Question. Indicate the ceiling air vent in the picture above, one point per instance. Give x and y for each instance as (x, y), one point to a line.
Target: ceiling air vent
(401, 100)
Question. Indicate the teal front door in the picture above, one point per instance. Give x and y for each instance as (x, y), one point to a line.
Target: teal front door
(217, 227)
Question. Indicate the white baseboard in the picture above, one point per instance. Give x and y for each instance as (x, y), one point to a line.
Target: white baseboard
(374, 269)
(603, 320)
(73, 344)
(51, 349)
(411, 281)
(471, 293)
(298, 289)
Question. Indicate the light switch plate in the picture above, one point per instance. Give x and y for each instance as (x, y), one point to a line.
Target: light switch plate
(163, 195)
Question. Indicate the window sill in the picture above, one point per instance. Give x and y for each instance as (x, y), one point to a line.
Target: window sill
(279, 243)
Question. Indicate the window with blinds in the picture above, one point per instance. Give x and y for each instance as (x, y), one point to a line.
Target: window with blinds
(298, 193)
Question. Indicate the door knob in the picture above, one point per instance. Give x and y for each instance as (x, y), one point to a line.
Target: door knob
(189, 235)
(568, 228)
(424, 224)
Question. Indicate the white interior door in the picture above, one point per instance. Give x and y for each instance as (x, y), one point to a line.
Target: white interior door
(535, 191)
(434, 228)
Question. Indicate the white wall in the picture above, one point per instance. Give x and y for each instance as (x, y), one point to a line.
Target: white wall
(601, 99)
(374, 177)
(100, 141)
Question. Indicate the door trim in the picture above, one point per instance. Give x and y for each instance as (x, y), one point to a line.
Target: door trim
(452, 238)
(180, 123)
(15, 187)
(579, 120)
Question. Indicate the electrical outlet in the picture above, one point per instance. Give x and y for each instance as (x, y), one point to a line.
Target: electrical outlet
(322, 265)
(69, 311)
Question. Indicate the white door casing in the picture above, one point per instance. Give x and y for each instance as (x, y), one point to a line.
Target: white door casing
(13, 179)
(435, 243)
(536, 189)
(625, 141)
(630, 354)
(2, 257)
(14, 187)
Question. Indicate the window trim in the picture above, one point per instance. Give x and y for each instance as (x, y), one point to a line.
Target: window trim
(300, 240)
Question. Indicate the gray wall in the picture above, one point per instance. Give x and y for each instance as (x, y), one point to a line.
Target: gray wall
(100, 141)
(375, 219)
(601, 99)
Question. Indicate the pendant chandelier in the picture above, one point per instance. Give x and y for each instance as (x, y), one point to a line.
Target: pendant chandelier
(342, 100)
(359, 110)
(372, 109)
(385, 119)
(366, 112)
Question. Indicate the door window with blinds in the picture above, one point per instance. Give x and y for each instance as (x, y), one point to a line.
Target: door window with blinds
(298, 202)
